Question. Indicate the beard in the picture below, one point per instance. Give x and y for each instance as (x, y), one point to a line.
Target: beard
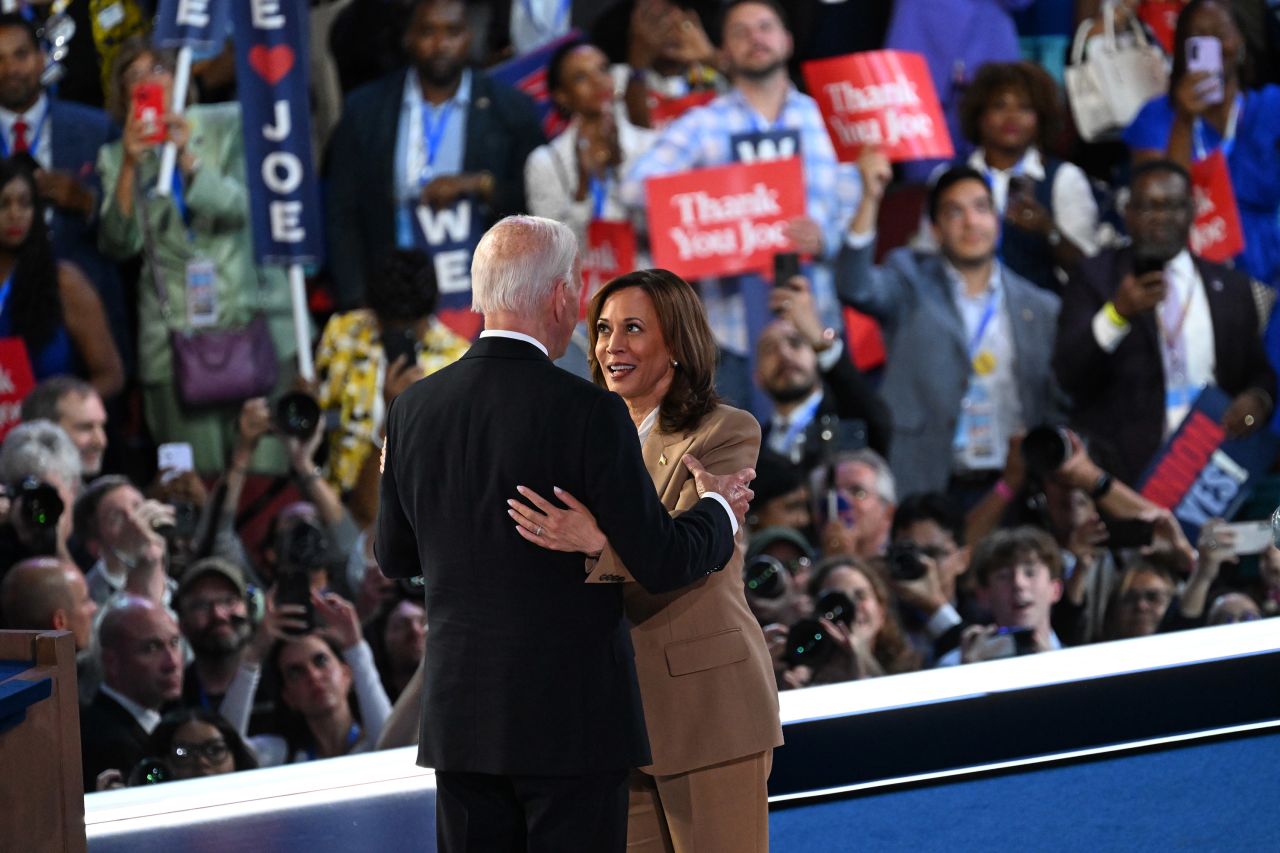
(440, 73)
(792, 392)
(763, 73)
(209, 643)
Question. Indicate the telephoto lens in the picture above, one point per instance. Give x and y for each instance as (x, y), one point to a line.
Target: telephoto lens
(808, 644)
(1045, 449)
(905, 563)
(297, 414)
(41, 506)
(149, 771)
(835, 606)
(763, 577)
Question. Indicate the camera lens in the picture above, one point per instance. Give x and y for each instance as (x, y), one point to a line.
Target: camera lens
(149, 771)
(763, 576)
(297, 414)
(1045, 449)
(836, 607)
(905, 563)
(41, 504)
(808, 644)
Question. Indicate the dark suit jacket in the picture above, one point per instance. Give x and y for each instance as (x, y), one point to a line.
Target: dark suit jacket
(1119, 398)
(531, 670)
(110, 738)
(502, 129)
(849, 396)
(76, 134)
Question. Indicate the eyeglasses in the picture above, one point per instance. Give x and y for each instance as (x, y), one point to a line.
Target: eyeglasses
(213, 751)
(207, 605)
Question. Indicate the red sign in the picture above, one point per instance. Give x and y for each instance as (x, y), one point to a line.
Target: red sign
(664, 110)
(882, 98)
(1216, 233)
(16, 382)
(724, 220)
(610, 252)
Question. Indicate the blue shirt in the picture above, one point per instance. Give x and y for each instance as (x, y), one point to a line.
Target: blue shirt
(700, 138)
(1252, 160)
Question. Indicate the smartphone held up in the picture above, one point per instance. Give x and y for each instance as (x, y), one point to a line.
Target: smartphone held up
(148, 111)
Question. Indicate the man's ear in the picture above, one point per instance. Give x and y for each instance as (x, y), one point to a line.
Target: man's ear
(59, 620)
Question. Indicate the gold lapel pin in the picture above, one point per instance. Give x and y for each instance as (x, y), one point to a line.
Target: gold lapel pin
(662, 460)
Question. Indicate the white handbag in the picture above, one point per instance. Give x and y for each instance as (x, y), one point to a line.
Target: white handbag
(1106, 89)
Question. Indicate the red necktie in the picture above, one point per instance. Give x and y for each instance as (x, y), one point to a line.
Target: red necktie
(20, 144)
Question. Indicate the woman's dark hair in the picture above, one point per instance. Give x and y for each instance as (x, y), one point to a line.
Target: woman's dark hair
(161, 743)
(404, 288)
(1181, 33)
(692, 395)
(36, 304)
(1025, 78)
(893, 651)
(555, 65)
(288, 723)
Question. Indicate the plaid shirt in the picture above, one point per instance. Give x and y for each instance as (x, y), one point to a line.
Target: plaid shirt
(700, 138)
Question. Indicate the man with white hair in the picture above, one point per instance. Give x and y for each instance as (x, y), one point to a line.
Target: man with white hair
(33, 453)
(531, 710)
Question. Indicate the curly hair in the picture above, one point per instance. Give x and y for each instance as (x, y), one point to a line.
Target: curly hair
(692, 395)
(35, 304)
(404, 287)
(1024, 78)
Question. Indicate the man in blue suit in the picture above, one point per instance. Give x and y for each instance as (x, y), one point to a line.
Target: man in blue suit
(434, 134)
(63, 138)
(969, 341)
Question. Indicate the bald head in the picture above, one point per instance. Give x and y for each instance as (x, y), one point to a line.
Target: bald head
(47, 593)
(141, 651)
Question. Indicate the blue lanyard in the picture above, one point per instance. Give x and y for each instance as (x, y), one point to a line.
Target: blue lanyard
(433, 136)
(599, 193)
(34, 142)
(180, 202)
(4, 293)
(352, 736)
(1228, 142)
(987, 313)
(801, 422)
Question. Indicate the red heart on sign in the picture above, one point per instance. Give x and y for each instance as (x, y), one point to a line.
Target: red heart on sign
(271, 63)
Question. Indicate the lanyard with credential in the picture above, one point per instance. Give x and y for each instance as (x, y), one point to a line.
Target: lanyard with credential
(33, 144)
(988, 312)
(1228, 143)
(180, 202)
(599, 194)
(433, 137)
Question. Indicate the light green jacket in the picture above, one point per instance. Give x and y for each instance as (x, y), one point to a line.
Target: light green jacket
(221, 232)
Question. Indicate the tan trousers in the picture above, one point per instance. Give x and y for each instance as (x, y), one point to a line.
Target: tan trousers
(724, 807)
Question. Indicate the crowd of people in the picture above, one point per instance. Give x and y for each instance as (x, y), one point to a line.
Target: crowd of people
(969, 493)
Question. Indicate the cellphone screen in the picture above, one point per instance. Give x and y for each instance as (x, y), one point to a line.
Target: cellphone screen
(397, 344)
(785, 265)
(148, 110)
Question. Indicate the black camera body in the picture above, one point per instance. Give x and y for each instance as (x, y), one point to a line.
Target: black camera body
(905, 563)
(39, 504)
(763, 577)
(297, 414)
(303, 547)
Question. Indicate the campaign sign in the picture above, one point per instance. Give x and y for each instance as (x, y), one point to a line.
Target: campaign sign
(271, 76)
(1216, 233)
(16, 382)
(610, 252)
(881, 98)
(1201, 474)
(726, 219)
(200, 24)
(761, 146)
(1161, 17)
(449, 236)
(664, 110)
(528, 73)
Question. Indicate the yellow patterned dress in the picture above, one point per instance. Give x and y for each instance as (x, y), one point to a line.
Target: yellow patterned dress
(350, 365)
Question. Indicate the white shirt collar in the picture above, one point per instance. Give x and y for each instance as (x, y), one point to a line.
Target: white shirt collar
(958, 286)
(516, 336)
(647, 425)
(1030, 165)
(32, 115)
(781, 421)
(413, 90)
(147, 718)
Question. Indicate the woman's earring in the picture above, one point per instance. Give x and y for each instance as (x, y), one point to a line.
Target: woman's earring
(675, 363)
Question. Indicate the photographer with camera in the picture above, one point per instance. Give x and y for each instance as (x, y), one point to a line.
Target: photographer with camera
(1019, 575)
(40, 475)
(122, 530)
(926, 562)
(858, 497)
(854, 631)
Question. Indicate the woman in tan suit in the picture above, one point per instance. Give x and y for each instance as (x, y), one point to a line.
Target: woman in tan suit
(710, 702)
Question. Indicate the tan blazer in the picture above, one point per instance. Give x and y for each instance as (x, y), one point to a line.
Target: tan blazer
(706, 680)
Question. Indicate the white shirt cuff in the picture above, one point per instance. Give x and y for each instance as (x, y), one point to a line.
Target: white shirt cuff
(733, 519)
(859, 241)
(829, 357)
(943, 620)
(1106, 333)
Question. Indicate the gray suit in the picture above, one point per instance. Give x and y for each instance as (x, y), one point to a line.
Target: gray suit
(927, 366)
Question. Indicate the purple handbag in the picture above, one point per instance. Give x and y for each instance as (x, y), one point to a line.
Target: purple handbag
(218, 366)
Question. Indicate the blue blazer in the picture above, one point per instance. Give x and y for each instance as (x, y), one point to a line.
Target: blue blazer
(927, 365)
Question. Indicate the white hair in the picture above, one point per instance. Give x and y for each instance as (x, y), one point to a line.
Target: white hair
(518, 263)
(39, 448)
(886, 485)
